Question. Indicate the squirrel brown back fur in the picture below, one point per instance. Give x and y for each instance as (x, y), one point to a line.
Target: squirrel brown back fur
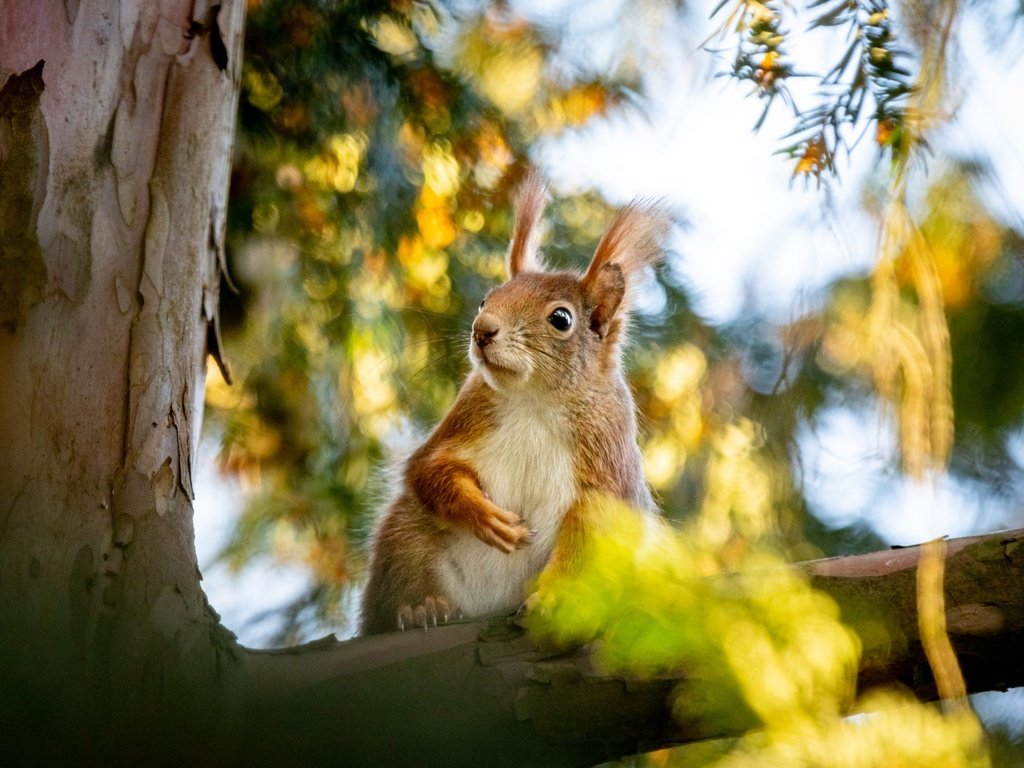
(545, 419)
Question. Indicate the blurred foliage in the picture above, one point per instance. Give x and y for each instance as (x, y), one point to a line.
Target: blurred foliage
(940, 260)
(759, 648)
(377, 149)
(870, 86)
(951, 288)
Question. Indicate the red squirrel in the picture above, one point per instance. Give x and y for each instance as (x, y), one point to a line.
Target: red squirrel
(544, 419)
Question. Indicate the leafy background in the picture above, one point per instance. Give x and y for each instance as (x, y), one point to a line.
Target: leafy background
(379, 145)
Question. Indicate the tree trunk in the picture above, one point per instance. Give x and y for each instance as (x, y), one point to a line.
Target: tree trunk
(115, 126)
(116, 120)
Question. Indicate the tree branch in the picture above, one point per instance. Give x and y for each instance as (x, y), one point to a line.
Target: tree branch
(485, 692)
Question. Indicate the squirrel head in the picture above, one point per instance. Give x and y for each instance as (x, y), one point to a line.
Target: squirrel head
(542, 332)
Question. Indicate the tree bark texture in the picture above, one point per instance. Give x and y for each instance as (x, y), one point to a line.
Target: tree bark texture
(116, 120)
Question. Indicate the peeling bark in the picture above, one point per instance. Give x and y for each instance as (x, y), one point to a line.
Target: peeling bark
(24, 154)
(115, 128)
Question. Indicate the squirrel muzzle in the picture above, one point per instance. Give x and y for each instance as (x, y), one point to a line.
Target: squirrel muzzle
(485, 328)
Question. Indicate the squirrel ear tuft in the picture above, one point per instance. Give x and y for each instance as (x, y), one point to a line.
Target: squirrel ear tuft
(522, 252)
(633, 241)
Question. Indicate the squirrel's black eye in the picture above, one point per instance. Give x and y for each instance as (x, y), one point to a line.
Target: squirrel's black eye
(561, 319)
(480, 308)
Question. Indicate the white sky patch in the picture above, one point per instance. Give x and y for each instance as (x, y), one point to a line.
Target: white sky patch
(849, 463)
(263, 584)
(990, 120)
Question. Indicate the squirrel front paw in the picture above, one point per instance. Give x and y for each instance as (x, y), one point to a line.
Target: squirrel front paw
(502, 529)
(432, 611)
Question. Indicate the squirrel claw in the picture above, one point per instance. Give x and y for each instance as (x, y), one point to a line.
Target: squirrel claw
(432, 611)
(507, 533)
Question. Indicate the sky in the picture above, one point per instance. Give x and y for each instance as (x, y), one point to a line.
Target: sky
(754, 234)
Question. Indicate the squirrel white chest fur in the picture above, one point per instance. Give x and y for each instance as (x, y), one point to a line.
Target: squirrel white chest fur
(524, 466)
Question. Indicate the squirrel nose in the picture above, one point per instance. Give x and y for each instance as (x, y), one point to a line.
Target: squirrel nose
(485, 328)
